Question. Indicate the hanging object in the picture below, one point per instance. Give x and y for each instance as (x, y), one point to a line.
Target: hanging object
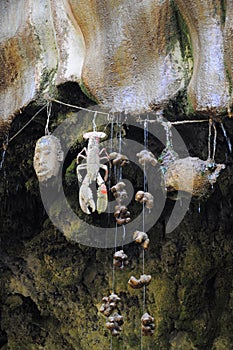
(109, 304)
(146, 157)
(135, 283)
(118, 159)
(148, 325)
(47, 157)
(48, 153)
(119, 192)
(121, 214)
(120, 259)
(114, 324)
(192, 175)
(141, 238)
(92, 166)
(145, 198)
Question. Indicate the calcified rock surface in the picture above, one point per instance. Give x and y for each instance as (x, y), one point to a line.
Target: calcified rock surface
(129, 56)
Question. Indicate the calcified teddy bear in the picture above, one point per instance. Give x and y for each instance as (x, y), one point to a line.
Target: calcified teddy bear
(47, 157)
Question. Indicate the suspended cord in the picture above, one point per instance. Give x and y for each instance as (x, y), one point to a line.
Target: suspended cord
(214, 141)
(209, 139)
(49, 108)
(34, 116)
(72, 106)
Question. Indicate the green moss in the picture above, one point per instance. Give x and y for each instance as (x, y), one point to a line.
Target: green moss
(87, 92)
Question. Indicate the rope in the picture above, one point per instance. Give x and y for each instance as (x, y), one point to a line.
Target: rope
(72, 106)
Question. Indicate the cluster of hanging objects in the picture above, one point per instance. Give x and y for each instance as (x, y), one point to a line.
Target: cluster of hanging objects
(48, 157)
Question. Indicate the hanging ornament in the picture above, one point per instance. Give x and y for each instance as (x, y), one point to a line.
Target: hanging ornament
(92, 166)
(118, 159)
(141, 238)
(148, 325)
(109, 304)
(121, 214)
(135, 283)
(48, 153)
(120, 259)
(114, 324)
(145, 198)
(146, 157)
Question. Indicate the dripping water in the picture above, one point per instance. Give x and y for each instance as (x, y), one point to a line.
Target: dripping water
(4, 147)
(214, 141)
(199, 207)
(226, 137)
(209, 139)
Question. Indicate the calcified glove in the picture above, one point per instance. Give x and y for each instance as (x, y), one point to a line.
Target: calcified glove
(145, 198)
(135, 283)
(119, 192)
(146, 157)
(109, 304)
(118, 159)
(148, 325)
(141, 238)
(114, 324)
(122, 215)
(120, 259)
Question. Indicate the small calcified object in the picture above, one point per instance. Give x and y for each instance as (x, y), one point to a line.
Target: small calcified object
(47, 157)
(145, 198)
(120, 259)
(114, 324)
(146, 157)
(118, 159)
(141, 238)
(148, 325)
(122, 215)
(135, 283)
(109, 304)
(192, 175)
(119, 192)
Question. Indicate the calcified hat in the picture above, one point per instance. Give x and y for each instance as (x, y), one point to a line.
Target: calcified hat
(48, 155)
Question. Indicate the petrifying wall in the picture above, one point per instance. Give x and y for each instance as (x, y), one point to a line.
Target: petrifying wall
(130, 56)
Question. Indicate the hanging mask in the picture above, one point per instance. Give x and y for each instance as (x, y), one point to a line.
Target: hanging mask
(47, 157)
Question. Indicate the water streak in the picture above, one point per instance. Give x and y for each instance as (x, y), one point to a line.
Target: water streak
(226, 137)
(4, 146)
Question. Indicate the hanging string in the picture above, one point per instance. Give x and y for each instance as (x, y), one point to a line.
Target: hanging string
(209, 139)
(93, 121)
(214, 141)
(34, 116)
(145, 187)
(48, 98)
(49, 109)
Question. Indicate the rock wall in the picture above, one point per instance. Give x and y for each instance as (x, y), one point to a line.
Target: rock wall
(51, 288)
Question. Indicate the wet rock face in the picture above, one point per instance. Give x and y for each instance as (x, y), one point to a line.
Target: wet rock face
(129, 64)
(51, 288)
(129, 56)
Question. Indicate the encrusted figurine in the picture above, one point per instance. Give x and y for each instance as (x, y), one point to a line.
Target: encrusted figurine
(118, 159)
(93, 166)
(141, 238)
(145, 198)
(114, 324)
(146, 157)
(135, 283)
(109, 304)
(148, 325)
(122, 215)
(47, 157)
(120, 259)
(119, 192)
